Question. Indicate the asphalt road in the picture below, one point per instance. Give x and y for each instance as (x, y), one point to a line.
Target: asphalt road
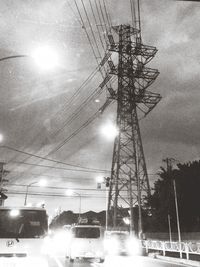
(117, 261)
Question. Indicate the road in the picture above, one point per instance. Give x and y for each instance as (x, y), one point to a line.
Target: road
(116, 261)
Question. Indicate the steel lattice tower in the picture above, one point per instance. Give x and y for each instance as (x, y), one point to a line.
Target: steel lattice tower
(129, 180)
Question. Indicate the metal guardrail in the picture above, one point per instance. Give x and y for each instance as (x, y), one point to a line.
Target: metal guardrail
(167, 246)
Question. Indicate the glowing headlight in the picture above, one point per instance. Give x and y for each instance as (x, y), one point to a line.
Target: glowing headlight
(56, 243)
(111, 245)
(61, 241)
(47, 247)
(14, 213)
(133, 246)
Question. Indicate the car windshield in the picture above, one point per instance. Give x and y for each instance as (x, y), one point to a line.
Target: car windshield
(22, 223)
(86, 232)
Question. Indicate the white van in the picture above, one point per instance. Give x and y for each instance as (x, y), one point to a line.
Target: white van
(86, 242)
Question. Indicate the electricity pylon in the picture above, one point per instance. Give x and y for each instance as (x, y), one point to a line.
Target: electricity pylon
(129, 180)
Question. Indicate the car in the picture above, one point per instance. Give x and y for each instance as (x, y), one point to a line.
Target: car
(86, 242)
(121, 243)
(59, 240)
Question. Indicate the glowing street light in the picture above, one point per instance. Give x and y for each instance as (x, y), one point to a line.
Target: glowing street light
(44, 57)
(100, 179)
(126, 220)
(14, 212)
(69, 193)
(41, 183)
(1, 137)
(109, 130)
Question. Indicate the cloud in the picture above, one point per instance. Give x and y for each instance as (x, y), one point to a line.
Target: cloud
(176, 120)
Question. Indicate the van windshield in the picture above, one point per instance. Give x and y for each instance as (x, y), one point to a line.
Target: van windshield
(22, 223)
(86, 232)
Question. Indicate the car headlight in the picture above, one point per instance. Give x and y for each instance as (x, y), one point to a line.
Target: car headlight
(61, 241)
(111, 245)
(133, 246)
(47, 247)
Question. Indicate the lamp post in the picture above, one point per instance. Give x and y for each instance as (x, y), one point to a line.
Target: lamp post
(109, 131)
(10, 57)
(69, 193)
(41, 183)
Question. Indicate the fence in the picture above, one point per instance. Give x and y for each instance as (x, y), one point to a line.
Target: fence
(166, 246)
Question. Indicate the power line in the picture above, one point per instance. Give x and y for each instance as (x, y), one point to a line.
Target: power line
(101, 24)
(70, 137)
(89, 78)
(103, 45)
(87, 34)
(98, 68)
(84, 27)
(77, 92)
(59, 187)
(91, 119)
(107, 15)
(47, 159)
(93, 35)
(103, 17)
(58, 168)
(74, 14)
(74, 115)
(53, 195)
(85, 179)
(96, 93)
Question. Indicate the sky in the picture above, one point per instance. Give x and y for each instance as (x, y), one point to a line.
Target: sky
(40, 109)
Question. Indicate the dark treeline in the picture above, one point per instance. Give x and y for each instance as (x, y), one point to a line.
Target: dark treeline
(69, 218)
(161, 205)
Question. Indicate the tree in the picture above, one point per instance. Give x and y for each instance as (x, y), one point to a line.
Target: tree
(188, 182)
(161, 203)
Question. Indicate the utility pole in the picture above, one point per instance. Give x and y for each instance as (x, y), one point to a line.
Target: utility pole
(170, 230)
(169, 162)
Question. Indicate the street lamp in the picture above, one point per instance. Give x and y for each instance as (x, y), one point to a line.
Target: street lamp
(44, 56)
(109, 130)
(69, 193)
(41, 183)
